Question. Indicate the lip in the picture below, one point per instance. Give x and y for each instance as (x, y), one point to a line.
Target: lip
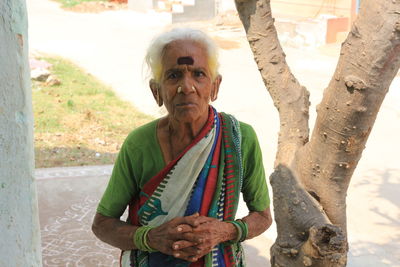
(185, 104)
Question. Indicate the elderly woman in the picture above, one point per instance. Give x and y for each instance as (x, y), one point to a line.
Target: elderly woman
(182, 174)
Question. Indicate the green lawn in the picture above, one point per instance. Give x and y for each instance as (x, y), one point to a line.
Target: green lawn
(71, 3)
(81, 121)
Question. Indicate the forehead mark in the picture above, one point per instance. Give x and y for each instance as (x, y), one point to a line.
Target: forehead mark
(185, 61)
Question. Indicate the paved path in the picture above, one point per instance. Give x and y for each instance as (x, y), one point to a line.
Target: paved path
(67, 199)
(111, 46)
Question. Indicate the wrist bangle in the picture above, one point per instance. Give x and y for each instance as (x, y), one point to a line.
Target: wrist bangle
(245, 229)
(140, 238)
(239, 231)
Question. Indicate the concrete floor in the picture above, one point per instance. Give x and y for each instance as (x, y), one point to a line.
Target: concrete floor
(68, 198)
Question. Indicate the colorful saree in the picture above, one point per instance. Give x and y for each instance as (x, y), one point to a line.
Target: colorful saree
(205, 178)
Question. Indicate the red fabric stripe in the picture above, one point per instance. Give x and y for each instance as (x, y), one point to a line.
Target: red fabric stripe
(228, 262)
(229, 197)
(230, 177)
(230, 191)
(230, 186)
(229, 171)
(229, 202)
(211, 180)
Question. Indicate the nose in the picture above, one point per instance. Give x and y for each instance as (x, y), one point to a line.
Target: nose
(187, 84)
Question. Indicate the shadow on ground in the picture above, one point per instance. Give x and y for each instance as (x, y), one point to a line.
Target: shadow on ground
(378, 247)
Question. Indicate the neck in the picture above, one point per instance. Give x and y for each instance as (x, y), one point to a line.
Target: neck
(175, 136)
(185, 130)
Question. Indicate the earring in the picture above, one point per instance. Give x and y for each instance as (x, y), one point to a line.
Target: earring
(179, 90)
(193, 88)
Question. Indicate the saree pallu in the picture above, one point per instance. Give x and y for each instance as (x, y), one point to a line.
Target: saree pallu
(205, 178)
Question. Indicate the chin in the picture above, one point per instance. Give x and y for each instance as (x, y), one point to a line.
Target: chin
(187, 116)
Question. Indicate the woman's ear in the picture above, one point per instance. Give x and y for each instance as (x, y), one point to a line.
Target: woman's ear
(215, 88)
(155, 89)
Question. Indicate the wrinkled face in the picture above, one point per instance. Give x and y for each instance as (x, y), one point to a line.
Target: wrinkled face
(185, 65)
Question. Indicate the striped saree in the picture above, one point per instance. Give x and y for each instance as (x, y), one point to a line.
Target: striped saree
(205, 178)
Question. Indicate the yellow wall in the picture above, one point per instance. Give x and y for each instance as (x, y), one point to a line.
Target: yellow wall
(310, 8)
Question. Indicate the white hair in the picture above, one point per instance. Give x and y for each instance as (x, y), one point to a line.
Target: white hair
(157, 47)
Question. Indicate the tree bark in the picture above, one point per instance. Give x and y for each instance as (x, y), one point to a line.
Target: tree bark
(311, 178)
(369, 60)
(19, 223)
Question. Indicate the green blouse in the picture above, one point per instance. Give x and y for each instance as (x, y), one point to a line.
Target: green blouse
(140, 158)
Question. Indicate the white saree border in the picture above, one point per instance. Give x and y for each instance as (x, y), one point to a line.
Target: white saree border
(175, 190)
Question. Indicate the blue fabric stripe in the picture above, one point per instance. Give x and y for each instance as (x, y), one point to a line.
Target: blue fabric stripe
(221, 260)
(197, 195)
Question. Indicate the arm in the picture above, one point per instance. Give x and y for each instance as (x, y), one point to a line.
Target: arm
(120, 234)
(258, 222)
(114, 231)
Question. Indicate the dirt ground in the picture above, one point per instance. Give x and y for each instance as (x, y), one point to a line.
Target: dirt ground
(97, 7)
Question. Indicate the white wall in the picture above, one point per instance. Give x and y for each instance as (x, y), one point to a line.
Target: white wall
(19, 224)
(226, 5)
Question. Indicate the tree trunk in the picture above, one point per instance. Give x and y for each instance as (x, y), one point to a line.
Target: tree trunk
(19, 223)
(311, 178)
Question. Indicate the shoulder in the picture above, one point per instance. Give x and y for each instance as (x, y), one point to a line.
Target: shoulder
(142, 135)
(247, 131)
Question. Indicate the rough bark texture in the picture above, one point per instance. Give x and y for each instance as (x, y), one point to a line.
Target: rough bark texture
(311, 178)
(19, 223)
(305, 235)
(369, 61)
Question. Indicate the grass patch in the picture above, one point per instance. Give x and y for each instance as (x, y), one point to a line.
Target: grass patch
(72, 3)
(81, 121)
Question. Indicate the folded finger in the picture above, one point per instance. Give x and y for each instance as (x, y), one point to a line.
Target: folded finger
(183, 228)
(193, 238)
(191, 255)
(182, 244)
(197, 220)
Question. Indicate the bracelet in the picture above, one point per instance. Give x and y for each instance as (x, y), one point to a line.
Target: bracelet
(140, 238)
(239, 231)
(242, 230)
(245, 229)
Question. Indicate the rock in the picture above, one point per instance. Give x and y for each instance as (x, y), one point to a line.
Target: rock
(52, 80)
(40, 74)
(38, 64)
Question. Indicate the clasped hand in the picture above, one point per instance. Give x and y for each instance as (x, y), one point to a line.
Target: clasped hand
(191, 237)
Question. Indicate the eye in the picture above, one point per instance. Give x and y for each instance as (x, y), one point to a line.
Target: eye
(173, 75)
(199, 73)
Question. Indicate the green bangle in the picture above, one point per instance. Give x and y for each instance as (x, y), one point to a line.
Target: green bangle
(140, 238)
(245, 229)
(239, 232)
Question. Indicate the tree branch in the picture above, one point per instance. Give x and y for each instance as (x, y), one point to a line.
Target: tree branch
(290, 98)
(370, 59)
